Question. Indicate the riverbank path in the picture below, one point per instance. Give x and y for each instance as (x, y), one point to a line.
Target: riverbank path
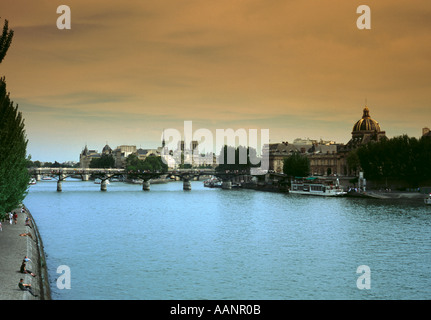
(13, 249)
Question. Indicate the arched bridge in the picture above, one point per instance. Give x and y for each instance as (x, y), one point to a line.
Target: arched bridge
(186, 175)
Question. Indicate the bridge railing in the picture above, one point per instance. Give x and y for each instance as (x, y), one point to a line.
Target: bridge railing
(90, 171)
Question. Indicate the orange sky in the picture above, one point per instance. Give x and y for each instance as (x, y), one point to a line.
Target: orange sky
(128, 69)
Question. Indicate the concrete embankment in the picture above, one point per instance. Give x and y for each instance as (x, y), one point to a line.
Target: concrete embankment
(18, 240)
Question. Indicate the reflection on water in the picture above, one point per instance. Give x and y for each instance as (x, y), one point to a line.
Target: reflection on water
(229, 244)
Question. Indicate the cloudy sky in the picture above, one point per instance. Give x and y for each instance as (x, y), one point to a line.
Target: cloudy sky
(129, 69)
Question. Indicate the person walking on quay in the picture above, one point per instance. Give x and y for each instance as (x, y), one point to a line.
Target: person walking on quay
(1, 228)
(26, 287)
(15, 217)
(10, 217)
(24, 270)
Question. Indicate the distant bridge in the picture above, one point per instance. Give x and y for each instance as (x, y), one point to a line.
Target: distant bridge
(186, 175)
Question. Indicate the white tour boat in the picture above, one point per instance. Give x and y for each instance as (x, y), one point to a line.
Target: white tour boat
(427, 200)
(317, 187)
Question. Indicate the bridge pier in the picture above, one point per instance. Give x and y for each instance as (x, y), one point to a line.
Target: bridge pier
(103, 185)
(146, 185)
(59, 187)
(187, 186)
(226, 185)
(38, 177)
(85, 177)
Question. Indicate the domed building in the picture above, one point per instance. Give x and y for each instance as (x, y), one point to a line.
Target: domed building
(365, 130)
(328, 158)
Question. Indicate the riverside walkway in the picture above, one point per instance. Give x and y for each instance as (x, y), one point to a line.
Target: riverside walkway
(13, 249)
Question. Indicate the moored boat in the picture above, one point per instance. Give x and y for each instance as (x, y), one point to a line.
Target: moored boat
(212, 183)
(427, 200)
(317, 187)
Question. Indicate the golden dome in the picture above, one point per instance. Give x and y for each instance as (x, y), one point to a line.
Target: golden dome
(366, 123)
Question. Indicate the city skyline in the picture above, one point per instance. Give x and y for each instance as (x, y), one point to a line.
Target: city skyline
(124, 72)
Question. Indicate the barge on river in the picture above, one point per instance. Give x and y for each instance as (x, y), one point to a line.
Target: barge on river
(317, 187)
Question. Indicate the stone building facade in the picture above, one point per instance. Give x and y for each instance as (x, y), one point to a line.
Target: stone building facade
(119, 154)
(327, 157)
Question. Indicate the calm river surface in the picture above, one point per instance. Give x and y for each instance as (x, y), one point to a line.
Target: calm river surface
(229, 244)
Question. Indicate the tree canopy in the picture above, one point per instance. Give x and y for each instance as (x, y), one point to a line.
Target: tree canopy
(400, 158)
(14, 176)
(240, 159)
(105, 161)
(296, 165)
(5, 40)
(151, 163)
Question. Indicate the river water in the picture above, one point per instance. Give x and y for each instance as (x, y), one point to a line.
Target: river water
(218, 244)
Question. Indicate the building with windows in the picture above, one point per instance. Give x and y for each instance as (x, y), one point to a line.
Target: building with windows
(328, 157)
(276, 153)
(119, 154)
(86, 156)
(365, 130)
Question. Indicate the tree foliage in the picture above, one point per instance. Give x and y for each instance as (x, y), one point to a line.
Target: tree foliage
(14, 176)
(353, 161)
(151, 163)
(105, 161)
(48, 164)
(5, 40)
(296, 165)
(236, 159)
(400, 158)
